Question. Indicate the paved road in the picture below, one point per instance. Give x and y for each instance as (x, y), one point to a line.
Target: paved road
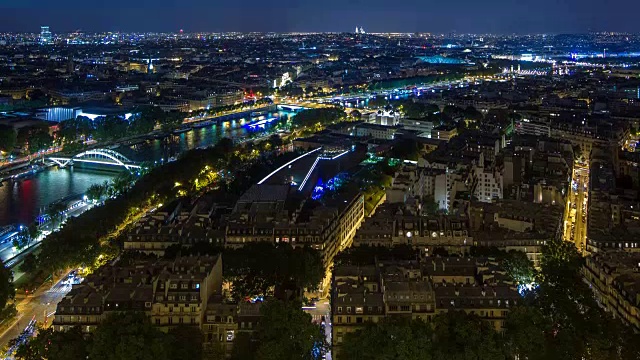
(9, 252)
(41, 306)
(576, 226)
(322, 309)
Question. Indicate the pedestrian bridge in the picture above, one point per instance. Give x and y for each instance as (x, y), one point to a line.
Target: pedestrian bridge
(96, 156)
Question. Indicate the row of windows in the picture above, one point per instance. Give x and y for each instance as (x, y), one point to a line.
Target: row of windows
(181, 320)
(271, 231)
(619, 244)
(181, 309)
(183, 286)
(79, 319)
(81, 309)
(359, 309)
(471, 302)
(415, 296)
(160, 297)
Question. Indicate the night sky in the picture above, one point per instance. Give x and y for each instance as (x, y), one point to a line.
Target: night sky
(442, 16)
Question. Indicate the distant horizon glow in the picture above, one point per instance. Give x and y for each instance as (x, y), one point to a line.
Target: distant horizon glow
(283, 16)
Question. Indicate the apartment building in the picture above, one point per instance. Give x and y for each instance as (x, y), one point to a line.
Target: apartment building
(612, 219)
(486, 181)
(179, 222)
(443, 132)
(225, 319)
(417, 290)
(614, 276)
(376, 131)
(389, 226)
(169, 292)
(515, 225)
(276, 214)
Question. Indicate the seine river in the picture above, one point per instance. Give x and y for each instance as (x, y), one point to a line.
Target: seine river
(22, 201)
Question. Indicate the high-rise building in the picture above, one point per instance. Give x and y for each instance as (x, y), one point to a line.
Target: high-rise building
(45, 35)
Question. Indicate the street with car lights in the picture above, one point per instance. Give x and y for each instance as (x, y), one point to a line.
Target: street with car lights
(40, 307)
(575, 222)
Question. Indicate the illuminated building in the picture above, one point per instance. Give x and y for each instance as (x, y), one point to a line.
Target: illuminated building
(613, 276)
(45, 35)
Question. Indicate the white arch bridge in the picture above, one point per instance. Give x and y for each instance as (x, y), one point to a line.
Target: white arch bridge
(96, 156)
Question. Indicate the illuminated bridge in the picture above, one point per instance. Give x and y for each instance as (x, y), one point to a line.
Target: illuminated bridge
(96, 156)
(439, 59)
(289, 107)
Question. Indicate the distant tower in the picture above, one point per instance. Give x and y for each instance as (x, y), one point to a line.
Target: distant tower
(150, 67)
(357, 30)
(45, 35)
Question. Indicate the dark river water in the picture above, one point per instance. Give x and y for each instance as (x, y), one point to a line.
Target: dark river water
(21, 201)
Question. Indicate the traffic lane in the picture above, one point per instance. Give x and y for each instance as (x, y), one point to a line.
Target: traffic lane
(24, 336)
(8, 253)
(579, 235)
(322, 311)
(78, 210)
(6, 248)
(41, 306)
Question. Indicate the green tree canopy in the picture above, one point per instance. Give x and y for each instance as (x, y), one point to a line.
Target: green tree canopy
(110, 128)
(405, 149)
(54, 345)
(8, 138)
(96, 191)
(389, 340)
(561, 320)
(7, 289)
(185, 342)
(128, 336)
(26, 235)
(459, 335)
(37, 138)
(268, 269)
(286, 332)
(322, 116)
(29, 263)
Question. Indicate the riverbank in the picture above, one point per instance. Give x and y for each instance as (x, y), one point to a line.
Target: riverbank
(187, 125)
(22, 201)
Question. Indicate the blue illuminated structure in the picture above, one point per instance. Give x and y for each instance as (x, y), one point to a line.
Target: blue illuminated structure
(260, 124)
(439, 59)
(332, 185)
(315, 163)
(318, 190)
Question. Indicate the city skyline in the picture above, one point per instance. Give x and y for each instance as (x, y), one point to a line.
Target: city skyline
(330, 180)
(498, 17)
